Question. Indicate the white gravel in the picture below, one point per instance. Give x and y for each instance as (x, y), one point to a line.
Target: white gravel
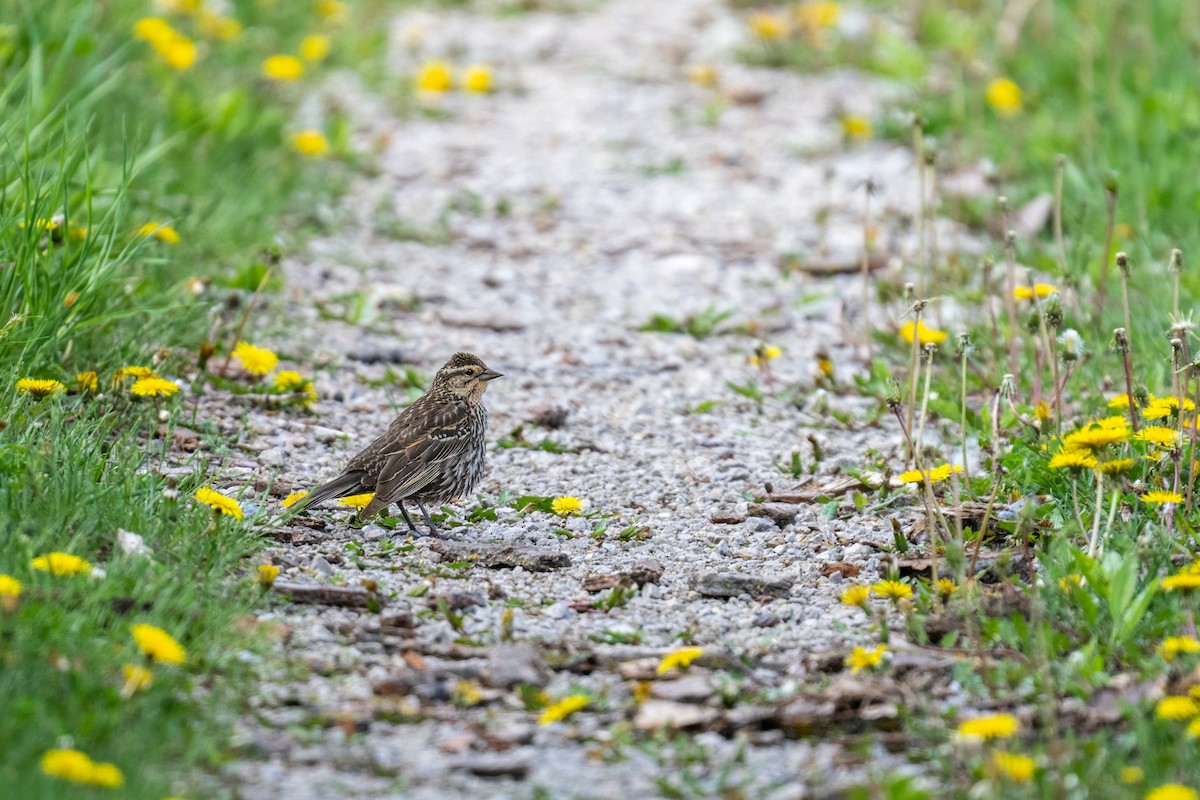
(552, 293)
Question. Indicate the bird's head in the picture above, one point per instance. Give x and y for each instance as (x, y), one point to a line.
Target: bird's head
(465, 376)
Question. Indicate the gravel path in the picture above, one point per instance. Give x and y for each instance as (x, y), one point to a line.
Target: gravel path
(539, 228)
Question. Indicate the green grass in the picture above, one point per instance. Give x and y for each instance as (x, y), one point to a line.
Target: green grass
(98, 137)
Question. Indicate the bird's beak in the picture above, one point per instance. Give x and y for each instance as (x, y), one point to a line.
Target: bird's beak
(490, 375)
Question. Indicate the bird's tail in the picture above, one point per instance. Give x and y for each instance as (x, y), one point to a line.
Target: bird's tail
(342, 486)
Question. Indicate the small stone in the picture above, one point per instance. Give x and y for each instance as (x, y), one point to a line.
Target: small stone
(656, 714)
(326, 435)
(731, 584)
(272, 457)
(500, 765)
(512, 664)
(646, 570)
(694, 687)
(765, 621)
(320, 566)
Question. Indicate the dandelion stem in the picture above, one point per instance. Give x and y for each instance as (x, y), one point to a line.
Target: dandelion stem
(987, 516)
(1102, 292)
(237, 336)
(914, 373)
(1122, 343)
(1095, 540)
(1060, 246)
(1176, 268)
(963, 345)
(929, 350)
(1048, 342)
(1123, 265)
(922, 218)
(1192, 441)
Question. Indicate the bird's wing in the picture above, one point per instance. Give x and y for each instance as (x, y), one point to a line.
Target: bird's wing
(414, 461)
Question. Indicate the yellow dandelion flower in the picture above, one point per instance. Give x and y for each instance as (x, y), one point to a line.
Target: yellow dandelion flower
(1161, 407)
(1069, 582)
(435, 77)
(78, 767)
(1040, 290)
(154, 387)
(861, 658)
(1172, 791)
(158, 644)
(1004, 95)
(61, 564)
(1116, 466)
(1157, 498)
(71, 299)
(1176, 707)
(946, 587)
(704, 75)
(1073, 459)
(765, 353)
(283, 68)
(357, 501)
(136, 679)
(563, 708)
(1181, 582)
(1132, 775)
(856, 596)
(814, 16)
(219, 502)
(39, 387)
(1095, 436)
(936, 475)
(466, 694)
(9, 586)
(1174, 645)
(1158, 435)
(1120, 401)
(137, 373)
(893, 590)
(768, 27)
(856, 127)
(88, 381)
(294, 497)
(679, 659)
(164, 233)
(1013, 766)
(331, 10)
(994, 726)
(218, 26)
(152, 29)
(566, 506)
(288, 380)
(177, 50)
(314, 47)
(924, 333)
(267, 573)
(311, 143)
(255, 360)
(478, 79)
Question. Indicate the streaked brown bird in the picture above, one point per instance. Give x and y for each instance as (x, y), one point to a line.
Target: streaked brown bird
(431, 453)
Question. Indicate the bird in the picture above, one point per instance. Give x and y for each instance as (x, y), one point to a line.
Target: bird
(432, 453)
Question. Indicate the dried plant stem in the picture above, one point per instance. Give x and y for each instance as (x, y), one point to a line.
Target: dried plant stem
(1110, 229)
(1122, 344)
(987, 517)
(1048, 343)
(1123, 266)
(930, 502)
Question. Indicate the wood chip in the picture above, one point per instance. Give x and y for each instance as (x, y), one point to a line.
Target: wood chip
(319, 594)
(499, 556)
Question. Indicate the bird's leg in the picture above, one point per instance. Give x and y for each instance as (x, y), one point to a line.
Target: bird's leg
(407, 518)
(432, 528)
